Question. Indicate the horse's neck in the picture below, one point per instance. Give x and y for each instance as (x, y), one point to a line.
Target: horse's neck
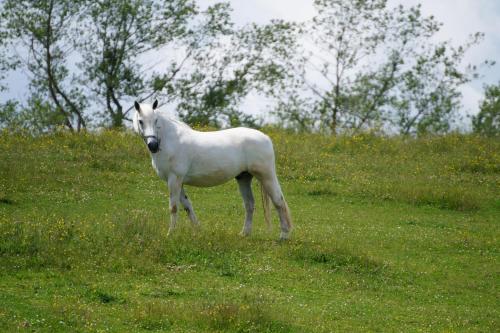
(174, 128)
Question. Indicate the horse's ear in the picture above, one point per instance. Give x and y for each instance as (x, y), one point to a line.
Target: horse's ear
(155, 104)
(137, 106)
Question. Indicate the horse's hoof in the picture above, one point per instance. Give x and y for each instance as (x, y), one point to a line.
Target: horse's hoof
(284, 236)
(245, 233)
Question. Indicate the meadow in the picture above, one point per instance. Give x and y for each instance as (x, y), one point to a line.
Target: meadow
(390, 235)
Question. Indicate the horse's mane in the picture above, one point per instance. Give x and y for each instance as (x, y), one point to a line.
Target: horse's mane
(169, 118)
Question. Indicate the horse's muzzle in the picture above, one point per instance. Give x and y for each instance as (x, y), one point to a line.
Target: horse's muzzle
(153, 144)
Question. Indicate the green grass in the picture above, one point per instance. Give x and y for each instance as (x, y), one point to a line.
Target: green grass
(390, 234)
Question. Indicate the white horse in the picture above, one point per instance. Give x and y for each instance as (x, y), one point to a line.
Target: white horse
(181, 155)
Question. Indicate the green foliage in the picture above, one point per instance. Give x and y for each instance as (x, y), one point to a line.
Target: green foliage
(487, 122)
(36, 118)
(85, 58)
(7, 61)
(9, 115)
(43, 29)
(213, 92)
(115, 35)
(366, 65)
(403, 227)
(356, 66)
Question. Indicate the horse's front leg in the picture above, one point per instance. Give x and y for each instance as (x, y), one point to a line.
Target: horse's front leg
(189, 208)
(174, 188)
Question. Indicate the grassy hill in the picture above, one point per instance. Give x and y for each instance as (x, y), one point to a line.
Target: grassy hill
(390, 235)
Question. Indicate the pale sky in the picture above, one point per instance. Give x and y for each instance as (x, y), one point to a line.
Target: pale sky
(460, 17)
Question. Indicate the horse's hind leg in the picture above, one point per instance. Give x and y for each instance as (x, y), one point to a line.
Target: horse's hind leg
(245, 185)
(189, 208)
(273, 189)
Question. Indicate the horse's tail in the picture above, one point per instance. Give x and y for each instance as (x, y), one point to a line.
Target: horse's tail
(266, 204)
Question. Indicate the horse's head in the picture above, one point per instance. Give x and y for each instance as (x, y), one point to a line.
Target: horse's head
(146, 124)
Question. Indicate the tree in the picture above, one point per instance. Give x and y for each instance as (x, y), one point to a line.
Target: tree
(41, 28)
(115, 35)
(180, 82)
(5, 64)
(96, 47)
(9, 116)
(427, 98)
(247, 61)
(37, 117)
(365, 65)
(487, 121)
(205, 83)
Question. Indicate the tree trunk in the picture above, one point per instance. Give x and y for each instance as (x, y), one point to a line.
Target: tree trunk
(333, 124)
(54, 90)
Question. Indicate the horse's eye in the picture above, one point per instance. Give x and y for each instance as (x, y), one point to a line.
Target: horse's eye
(141, 123)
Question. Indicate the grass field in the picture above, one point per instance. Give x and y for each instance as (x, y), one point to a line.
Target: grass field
(390, 235)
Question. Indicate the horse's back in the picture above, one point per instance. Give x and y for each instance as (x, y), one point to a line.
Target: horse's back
(222, 155)
(239, 139)
(241, 135)
(255, 147)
